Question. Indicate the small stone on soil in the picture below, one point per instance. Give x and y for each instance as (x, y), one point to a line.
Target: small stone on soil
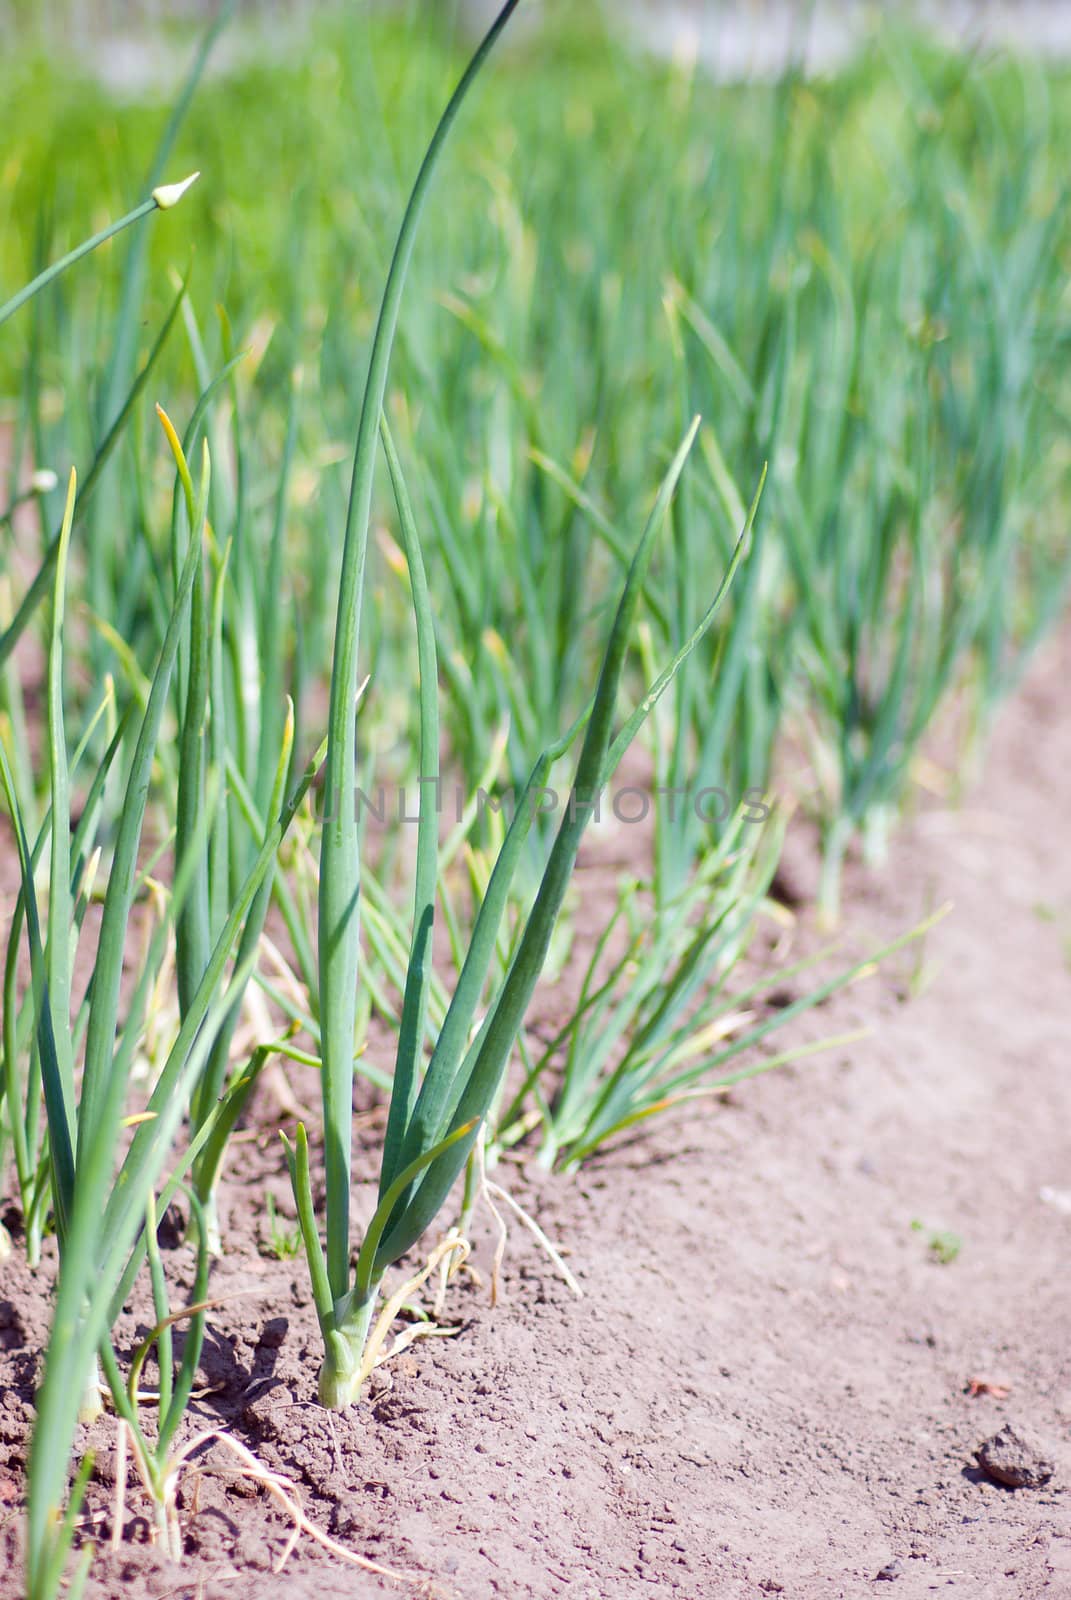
(1015, 1458)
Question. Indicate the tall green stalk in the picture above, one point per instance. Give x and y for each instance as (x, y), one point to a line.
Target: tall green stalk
(340, 880)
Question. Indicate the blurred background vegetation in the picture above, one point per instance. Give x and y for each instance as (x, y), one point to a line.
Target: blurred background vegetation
(860, 278)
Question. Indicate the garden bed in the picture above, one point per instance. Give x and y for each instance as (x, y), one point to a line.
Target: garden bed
(787, 1298)
(752, 1344)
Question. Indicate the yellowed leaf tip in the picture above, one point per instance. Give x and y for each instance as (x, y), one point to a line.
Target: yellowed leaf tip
(169, 194)
(169, 429)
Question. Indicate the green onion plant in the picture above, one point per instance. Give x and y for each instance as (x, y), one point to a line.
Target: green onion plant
(859, 283)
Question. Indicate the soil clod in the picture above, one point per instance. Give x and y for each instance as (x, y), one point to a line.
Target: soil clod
(1015, 1458)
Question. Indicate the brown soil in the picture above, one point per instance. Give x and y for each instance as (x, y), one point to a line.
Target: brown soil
(773, 1384)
